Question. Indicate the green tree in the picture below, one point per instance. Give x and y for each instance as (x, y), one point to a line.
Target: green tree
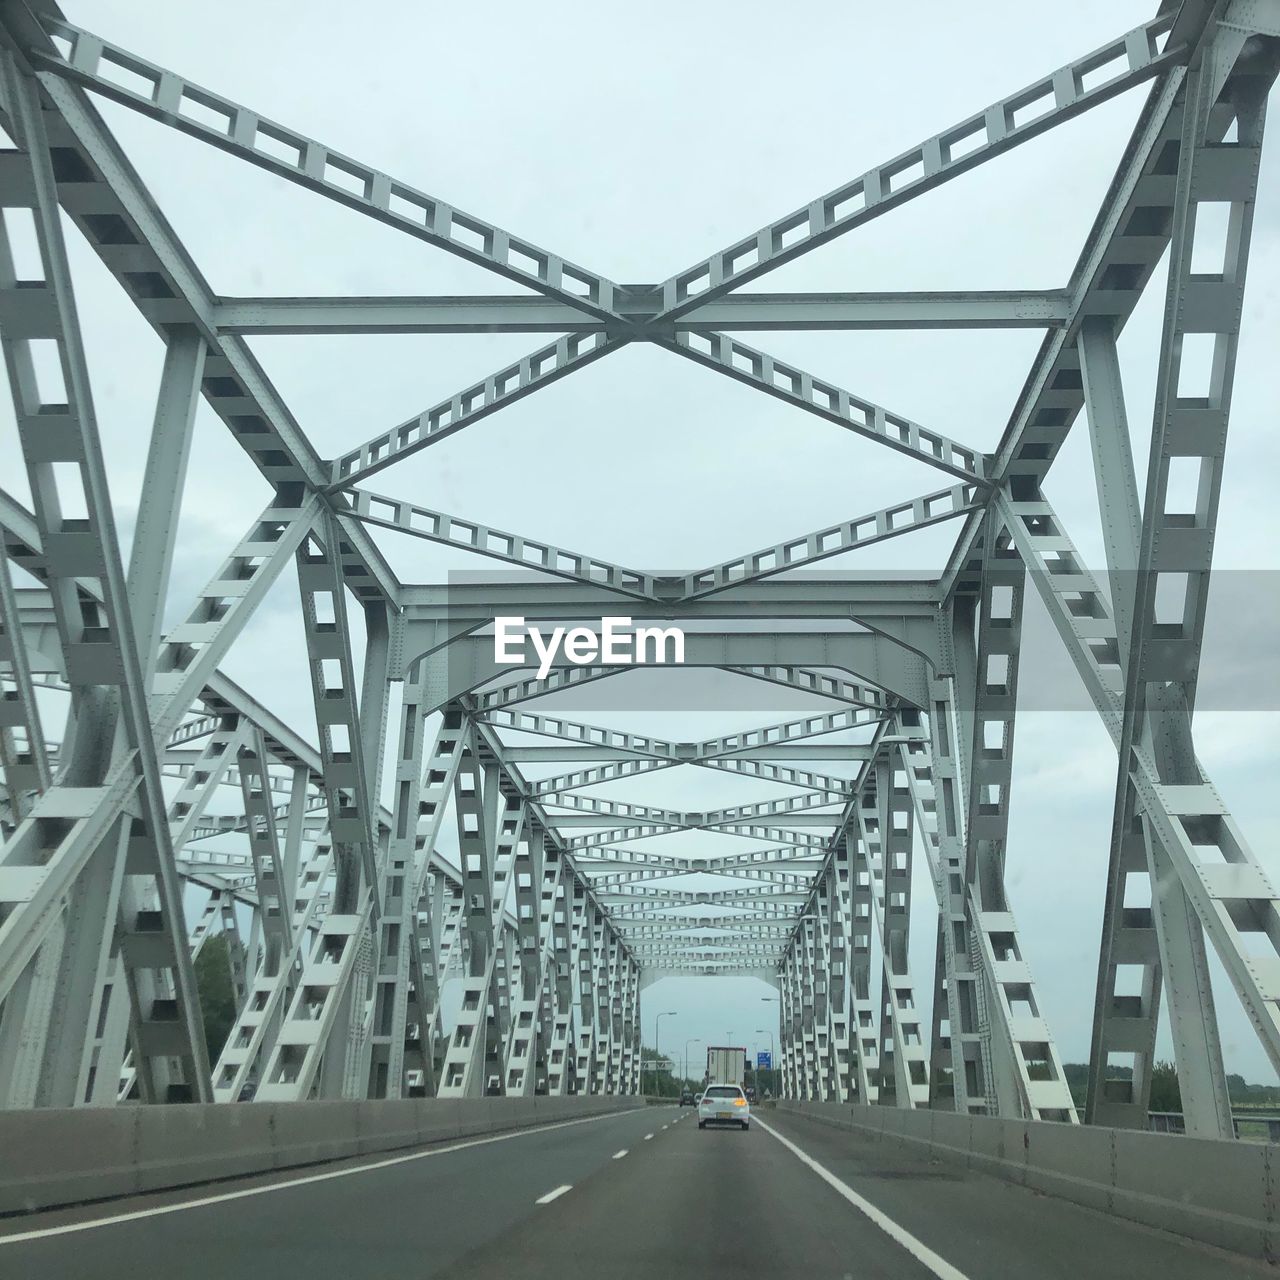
(217, 996)
(662, 1083)
(1077, 1074)
(1166, 1095)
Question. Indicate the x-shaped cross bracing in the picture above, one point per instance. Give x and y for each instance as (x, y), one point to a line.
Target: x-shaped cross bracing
(658, 314)
(805, 917)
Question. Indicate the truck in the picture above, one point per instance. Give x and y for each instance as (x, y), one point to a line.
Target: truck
(726, 1064)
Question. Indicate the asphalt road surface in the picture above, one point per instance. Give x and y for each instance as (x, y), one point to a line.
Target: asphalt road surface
(643, 1194)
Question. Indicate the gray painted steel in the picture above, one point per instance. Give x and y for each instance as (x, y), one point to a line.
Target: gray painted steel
(344, 922)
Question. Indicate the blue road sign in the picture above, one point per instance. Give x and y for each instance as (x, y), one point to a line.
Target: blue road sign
(764, 1061)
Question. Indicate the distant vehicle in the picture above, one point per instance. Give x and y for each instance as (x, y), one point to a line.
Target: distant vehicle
(726, 1065)
(686, 1099)
(724, 1104)
(751, 1094)
(697, 1102)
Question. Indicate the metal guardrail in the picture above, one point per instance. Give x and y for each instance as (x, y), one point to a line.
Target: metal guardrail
(1250, 1127)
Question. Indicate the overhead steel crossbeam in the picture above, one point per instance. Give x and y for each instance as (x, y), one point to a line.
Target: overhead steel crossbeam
(1124, 62)
(1124, 246)
(862, 531)
(107, 201)
(449, 531)
(794, 386)
(990, 309)
(163, 95)
(345, 921)
(131, 80)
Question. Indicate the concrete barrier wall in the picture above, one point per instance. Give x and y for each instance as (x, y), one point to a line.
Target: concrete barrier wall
(56, 1157)
(1222, 1193)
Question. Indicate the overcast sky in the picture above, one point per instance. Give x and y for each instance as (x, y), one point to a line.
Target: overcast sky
(636, 140)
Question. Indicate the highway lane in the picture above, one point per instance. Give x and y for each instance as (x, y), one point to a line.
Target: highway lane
(725, 1203)
(400, 1218)
(638, 1194)
(994, 1230)
(694, 1203)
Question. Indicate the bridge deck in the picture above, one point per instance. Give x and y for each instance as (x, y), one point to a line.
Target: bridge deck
(678, 1203)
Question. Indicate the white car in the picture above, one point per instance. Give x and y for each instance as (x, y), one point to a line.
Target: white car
(724, 1104)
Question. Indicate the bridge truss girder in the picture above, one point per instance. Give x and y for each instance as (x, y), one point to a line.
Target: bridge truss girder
(345, 920)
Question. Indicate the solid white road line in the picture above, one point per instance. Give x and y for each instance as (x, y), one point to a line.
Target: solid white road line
(617, 1155)
(916, 1248)
(67, 1229)
(554, 1195)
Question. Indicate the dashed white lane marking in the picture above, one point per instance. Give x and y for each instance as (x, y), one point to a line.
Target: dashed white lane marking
(666, 1127)
(647, 1136)
(916, 1248)
(67, 1228)
(617, 1155)
(554, 1195)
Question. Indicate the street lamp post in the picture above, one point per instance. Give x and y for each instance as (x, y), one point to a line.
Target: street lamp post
(777, 1075)
(687, 1043)
(657, 1059)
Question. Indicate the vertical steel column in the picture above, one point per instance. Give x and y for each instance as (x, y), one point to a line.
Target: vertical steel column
(53, 406)
(1026, 1075)
(275, 895)
(884, 817)
(476, 802)
(808, 1066)
(436, 953)
(605, 955)
(1203, 311)
(314, 1034)
(784, 1018)
(513, 813)
(256, 1033)
(24, 1030)
(520, 1050)
(375, 695)
(840, 897)
(295, 825)
(583, 931)
(324, 615)
(159, 501)
(150, 567)
(560, 1060)
(1228, 904)
(357, 890)
(545, 1016)
(864, 1079)
(201, 782)
(617, 967)
(957, 1069)
(23, 758)
(824, 1051)
(630, 1082)
(403, 971)
(229, 925)
(792, 1036)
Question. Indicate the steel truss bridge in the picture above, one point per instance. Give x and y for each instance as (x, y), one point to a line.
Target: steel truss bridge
(163, 784)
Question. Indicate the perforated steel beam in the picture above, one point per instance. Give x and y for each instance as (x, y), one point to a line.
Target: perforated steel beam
(556, 920)
(760, 312)
(48, 378)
